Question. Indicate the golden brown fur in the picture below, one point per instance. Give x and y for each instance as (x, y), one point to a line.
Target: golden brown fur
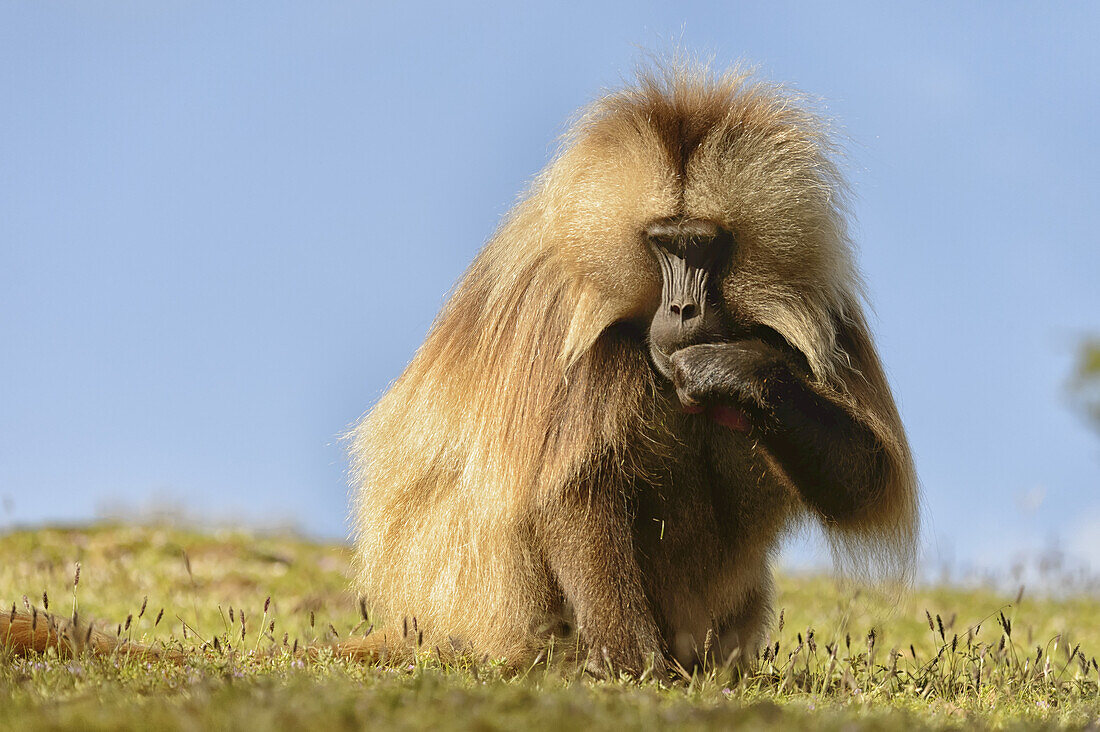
(38, 632)
(532, 394)
(23, 633)
(533, 473)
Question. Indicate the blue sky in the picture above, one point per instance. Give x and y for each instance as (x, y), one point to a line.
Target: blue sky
(224, 228)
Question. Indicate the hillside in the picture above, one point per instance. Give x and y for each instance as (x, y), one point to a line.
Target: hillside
(829, 671)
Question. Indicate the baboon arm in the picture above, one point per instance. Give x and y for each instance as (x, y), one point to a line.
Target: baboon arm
(588, 546)
(829, 450)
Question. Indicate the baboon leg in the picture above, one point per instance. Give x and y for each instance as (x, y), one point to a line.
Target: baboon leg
(589, 549)
(741, 635)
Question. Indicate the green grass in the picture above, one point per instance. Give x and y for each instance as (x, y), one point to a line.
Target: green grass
(964, 671)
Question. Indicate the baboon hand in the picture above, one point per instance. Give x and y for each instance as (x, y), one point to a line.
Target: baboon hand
(602, 663)
(747, 375)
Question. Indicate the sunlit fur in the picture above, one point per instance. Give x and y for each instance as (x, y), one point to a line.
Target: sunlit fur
(38, 632)
(519, 392)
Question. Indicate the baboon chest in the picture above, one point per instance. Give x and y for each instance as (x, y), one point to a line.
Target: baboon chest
(704, 526)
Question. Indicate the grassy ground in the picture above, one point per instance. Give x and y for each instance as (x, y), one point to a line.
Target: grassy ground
(939, 657)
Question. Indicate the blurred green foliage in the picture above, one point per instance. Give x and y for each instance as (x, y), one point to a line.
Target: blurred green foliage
(1085, 384)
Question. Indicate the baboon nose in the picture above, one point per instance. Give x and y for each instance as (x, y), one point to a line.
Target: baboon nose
(685, 310)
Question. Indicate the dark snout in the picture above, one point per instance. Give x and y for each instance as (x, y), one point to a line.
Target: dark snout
(689, 253)
(681, 322)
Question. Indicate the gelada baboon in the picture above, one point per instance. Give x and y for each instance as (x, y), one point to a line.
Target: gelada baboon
(657, 365)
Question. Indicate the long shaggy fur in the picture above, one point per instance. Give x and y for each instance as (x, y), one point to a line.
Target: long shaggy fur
(525, 387)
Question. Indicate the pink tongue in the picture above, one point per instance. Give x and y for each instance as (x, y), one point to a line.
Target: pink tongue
(735, 419)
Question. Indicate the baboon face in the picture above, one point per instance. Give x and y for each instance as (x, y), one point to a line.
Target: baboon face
(692, 254)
